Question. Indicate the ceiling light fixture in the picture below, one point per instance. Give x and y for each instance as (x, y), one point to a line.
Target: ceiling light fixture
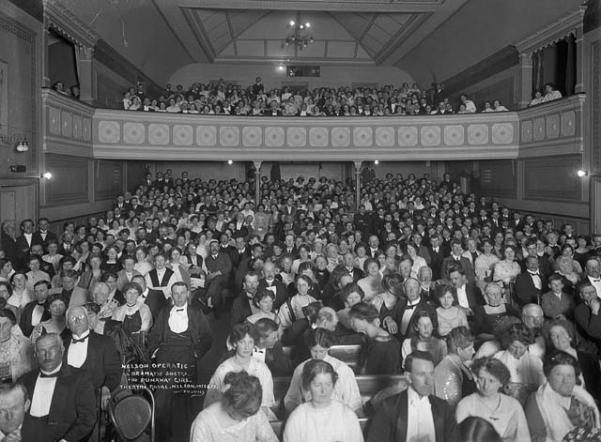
(299, 36)
(22, 145)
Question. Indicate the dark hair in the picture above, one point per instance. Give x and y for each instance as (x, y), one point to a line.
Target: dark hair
(517, 332)
(369, 261)
(9, 288)
(239, 331)
(494, 366)
(556, 358)
(108, 275)
(351, 288)
(313, 367)
(244, 395)
(393, 283)
(44, 282)
(364, 311)
(417, 354)
(320, 336)
(6, 313)
(264, 326)
(567, 326)
(261, 294)
(477, 429)
(57, 297)
(131, 285)
(459, 338)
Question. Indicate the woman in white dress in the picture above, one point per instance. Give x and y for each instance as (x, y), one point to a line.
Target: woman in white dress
(321, 419)
(242, 339)
(236, 416)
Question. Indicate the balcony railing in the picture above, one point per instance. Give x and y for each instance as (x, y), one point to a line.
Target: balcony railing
(550, 129)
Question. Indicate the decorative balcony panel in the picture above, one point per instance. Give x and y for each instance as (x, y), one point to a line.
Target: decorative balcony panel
(162, 136)
(67, 125)
(554, 128)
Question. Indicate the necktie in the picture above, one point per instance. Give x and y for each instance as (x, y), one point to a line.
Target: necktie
(410, 307)
(596, 280)
(179, 310)
(48, 375)
(75, 341)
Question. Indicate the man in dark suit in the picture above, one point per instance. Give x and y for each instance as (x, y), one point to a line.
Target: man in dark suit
(246, 263)
(180, 335)
(436, 254)
(414, 414)
(455, 259)
(154, 299)
(373, 249)
(348, 266)
(219, 267)
(24, 242)
(243, 306)
(467, 294)
(529, 284)
(63, 407)
(403, 319)
(43, 235)
(161, 278)
(8, 241)
(228, 249)
(94, 353)
(37, 310)
(270, 282)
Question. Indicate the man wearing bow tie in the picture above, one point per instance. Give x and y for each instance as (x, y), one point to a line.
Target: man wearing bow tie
(529, 284)
(94, 353)
(37, 310)
(404, 317)
(593, 274)
(270, 282)
(181, 334)
(62, 406)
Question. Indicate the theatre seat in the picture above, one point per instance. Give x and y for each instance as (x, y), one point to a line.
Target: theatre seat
(348, 354)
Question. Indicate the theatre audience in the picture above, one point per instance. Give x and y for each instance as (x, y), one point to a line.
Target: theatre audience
(408, 266)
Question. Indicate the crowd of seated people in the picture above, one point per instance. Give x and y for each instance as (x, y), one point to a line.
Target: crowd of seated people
(549, 93)
(72, 92)
(220, 98)
(485, 320)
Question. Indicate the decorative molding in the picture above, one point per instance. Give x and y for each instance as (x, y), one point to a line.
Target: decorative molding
(553, 32)
(67, 125)
(554, 128)
(135, 135)
(60, 19)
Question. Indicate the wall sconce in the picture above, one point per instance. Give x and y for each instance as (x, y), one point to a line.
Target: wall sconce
(22, 145)
(581, 173)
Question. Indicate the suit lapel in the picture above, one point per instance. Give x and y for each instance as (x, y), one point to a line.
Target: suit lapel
(402, 420)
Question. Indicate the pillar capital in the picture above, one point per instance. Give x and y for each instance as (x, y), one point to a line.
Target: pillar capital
(257, 165)
(357, 164)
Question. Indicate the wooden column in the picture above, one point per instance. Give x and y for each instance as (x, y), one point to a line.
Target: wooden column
(84, 56)
(525, 79)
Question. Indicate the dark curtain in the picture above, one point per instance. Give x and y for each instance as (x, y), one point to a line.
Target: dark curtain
(560, 61)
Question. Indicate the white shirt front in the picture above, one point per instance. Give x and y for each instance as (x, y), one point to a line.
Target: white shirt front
(536, 280)
(420, 423)
(28, 237)
(78, 351)
(462, 297)
(36, 315)
(596, 282)
(178, 319)
(407, 314)
(42, 394)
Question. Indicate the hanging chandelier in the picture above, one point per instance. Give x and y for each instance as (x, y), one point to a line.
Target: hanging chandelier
(300, 35)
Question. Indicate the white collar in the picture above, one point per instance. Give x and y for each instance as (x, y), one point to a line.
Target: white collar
(83, 335)
(56, 370)
(414, 398)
